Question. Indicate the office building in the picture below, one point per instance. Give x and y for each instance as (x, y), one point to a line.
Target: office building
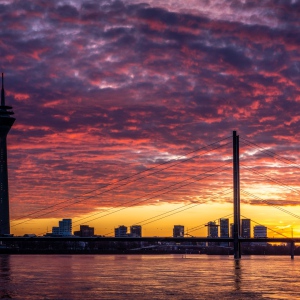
(224, 227)
(85, 231)
(6, 122)
(178, 231)
(246, 229)
(121, 231)
(64, 228)
(136, 231)
(212, 229)
(224, 231)
(231, 229)
(260, 231)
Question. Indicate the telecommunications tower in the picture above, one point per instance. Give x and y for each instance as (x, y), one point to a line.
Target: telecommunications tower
(6, 122)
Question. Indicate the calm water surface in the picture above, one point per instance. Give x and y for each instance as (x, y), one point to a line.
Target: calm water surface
(148, 277)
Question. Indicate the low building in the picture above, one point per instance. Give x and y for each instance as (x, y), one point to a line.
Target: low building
(135, 231)
(30, 235)
(121, 231)
(178, 231)
(85, 231)
(64, 228)
(260, 231)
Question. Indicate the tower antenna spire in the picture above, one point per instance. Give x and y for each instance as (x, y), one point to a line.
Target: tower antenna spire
(2, 92)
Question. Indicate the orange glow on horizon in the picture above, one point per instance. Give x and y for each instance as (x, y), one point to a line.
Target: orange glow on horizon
(159, 221)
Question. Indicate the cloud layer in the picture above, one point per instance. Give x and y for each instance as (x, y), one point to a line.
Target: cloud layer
(103, 90)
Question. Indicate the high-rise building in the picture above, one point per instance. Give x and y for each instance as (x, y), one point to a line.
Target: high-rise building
(136, 231)
(6, 122)
(178, 231)
(246, 229)
(85, 231)
(121, 231)
(64, 228)
(212, 229)
(224, 227)
(231, 229)
(224, 230)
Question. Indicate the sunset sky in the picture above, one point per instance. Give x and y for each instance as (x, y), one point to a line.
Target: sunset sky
(125, 110)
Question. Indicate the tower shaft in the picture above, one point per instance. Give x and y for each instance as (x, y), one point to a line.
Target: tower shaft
(6, 122)
(4, 197)
(236, 197)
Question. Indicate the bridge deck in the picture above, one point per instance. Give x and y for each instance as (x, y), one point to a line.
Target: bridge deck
(152, 239)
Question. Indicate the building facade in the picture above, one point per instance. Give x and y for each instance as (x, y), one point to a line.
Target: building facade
(260, 231)
(85, 231)
(212, 229)
(121, 231)
(224, 227)
(136, 231)
(64, 228)
(246, 228)
(224, 230)
(178, 231)
(231, 229)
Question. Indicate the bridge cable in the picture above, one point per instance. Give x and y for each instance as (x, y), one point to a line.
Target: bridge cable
(156, 195)
(129, 201)
(172, 212)
(271, 153)
(267, 227)
(123, 179)
(272, 204)
(271, 179)
(205, 224)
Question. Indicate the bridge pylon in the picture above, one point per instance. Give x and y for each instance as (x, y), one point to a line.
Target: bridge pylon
(236, 197)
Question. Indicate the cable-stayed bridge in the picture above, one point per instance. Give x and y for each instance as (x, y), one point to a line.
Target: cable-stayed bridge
(5, 225)
(236, 240)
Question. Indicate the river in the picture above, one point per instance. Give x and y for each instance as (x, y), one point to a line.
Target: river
(148, 277)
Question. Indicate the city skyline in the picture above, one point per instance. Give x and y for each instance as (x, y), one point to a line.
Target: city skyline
(103, 91)
(220, 228)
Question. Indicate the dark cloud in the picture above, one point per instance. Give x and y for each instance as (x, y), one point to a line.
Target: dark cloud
(97, 83)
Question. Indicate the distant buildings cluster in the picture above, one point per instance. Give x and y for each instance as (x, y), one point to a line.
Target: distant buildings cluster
(226, 230)
(135, 231)
(222, 229)
(64, 229)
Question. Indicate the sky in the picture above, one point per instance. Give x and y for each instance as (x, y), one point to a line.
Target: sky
(125, 111)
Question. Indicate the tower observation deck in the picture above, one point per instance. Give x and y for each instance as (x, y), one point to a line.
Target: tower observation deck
(6, 122)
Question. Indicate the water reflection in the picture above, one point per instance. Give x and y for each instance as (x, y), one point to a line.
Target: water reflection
(123, 277)
(237, 274)
(5, 277)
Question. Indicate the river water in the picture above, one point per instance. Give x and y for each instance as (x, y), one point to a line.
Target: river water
(148, 277)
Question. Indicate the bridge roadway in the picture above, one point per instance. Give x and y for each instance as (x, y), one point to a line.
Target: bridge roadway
(152, 239)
